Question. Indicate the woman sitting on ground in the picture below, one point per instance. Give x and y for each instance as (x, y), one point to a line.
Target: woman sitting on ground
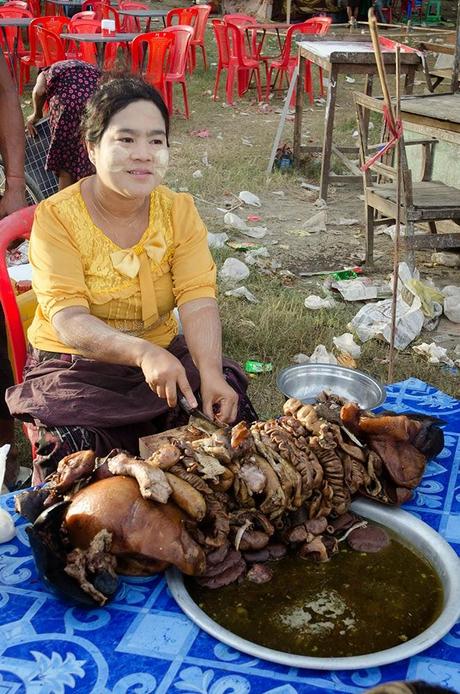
(112, 255)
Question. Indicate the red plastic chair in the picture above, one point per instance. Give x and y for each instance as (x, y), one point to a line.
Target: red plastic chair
(13, 228)
(131, 24)
(246, 65)
(86, 25)
(177, 67)
(11, 37)
(35, 56)
(152, 51)
(285, 64)
(202, 16)
(52, 46)
(244, 20)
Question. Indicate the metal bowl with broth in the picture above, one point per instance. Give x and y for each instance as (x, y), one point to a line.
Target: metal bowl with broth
(306, 381)
(410, 532)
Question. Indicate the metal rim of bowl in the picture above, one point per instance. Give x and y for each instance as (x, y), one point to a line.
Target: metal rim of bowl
(335, 367)
(441, 556)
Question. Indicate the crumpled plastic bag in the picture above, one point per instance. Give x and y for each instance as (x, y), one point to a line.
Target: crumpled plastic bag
(243, 293)
(300, 358)
(315, 302)
(452, 303)
(232, 220)
(430, 297)
(322, 356)
(317, 222)
(374, 320)
(217, 240)
(252, 256)
(233, 270)
(447, 258)
(249, 198)
(346, 343)
(434, 353)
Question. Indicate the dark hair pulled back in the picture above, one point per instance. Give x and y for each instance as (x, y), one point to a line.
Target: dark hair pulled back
(113, 94)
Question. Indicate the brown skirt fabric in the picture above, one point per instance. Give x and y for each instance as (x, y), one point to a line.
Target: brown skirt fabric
(71, 403)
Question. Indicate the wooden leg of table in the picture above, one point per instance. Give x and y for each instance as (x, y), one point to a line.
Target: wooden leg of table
(409, 81)
(298, 113)
(328, 131)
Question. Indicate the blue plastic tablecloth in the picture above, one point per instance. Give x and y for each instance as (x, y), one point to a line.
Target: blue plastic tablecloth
(143, 643)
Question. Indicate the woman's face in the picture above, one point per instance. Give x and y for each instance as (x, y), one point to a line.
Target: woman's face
(132, 157)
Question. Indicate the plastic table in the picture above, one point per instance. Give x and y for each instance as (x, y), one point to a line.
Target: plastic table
(143, 642)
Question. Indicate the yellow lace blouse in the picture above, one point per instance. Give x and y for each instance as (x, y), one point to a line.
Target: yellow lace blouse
(133, 290)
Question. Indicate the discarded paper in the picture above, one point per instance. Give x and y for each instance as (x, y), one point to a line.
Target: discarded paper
(315, 302)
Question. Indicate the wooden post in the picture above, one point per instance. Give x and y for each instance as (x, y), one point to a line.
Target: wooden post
(394, 299)
(455, 71)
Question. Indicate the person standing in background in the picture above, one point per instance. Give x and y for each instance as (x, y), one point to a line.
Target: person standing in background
(12, 153)
(66, 86)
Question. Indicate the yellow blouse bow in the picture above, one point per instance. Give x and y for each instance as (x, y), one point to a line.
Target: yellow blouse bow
(131, 262)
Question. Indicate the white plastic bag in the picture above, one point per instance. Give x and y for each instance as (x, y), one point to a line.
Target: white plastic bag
(233, 270)
(322, 356)
(249, 198)
(243, 293)
(346, 343)
(232, 220)
(7, 529)
(374, 320)
(217, 240)
(315, 302)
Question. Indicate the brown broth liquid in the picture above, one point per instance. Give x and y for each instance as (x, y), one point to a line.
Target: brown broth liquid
(356, 603)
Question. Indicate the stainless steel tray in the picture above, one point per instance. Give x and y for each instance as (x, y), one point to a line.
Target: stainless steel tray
(306, 381)
(413, 532)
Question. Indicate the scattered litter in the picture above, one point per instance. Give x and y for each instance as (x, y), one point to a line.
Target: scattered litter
(374, 320)
(252, 256)
(243, 293)
(322, 356)
(344, 222)
(197, 174)
(361, 289)
(254, 218)
(350, 80)
(232, 220)
(320, 204)
(346, 343)
(449, 259)
(300, 358)
(219, 136)
(243, 245)
(431, 298)
(18, 255)
(320, 101)
(217, 240)
(452, 303)
(249, 198)
(205, 159)
(200, 133)
(252, 366)
(317, 222)
(345, 359)
(315, 302)
(391, 231)
(183, 189)
(233, 270)
(434, 353)
(354, 133)
(310, 186)
(281, 193)
(246, 141)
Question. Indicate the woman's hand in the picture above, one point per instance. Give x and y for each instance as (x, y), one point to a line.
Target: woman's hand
(165, 374)
(30, 125)
(216, 391)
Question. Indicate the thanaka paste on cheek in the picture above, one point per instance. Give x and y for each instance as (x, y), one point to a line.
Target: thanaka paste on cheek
(161, 162)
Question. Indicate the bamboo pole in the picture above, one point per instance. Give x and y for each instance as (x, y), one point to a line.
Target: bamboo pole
(394, 298)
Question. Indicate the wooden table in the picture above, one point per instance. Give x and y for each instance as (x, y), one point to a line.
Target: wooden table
(435, 115)
(338, 58)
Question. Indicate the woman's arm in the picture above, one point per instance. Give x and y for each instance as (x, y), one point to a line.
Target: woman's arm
(11, 143)
(77, 328)
(38, 102)
(203, 334)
